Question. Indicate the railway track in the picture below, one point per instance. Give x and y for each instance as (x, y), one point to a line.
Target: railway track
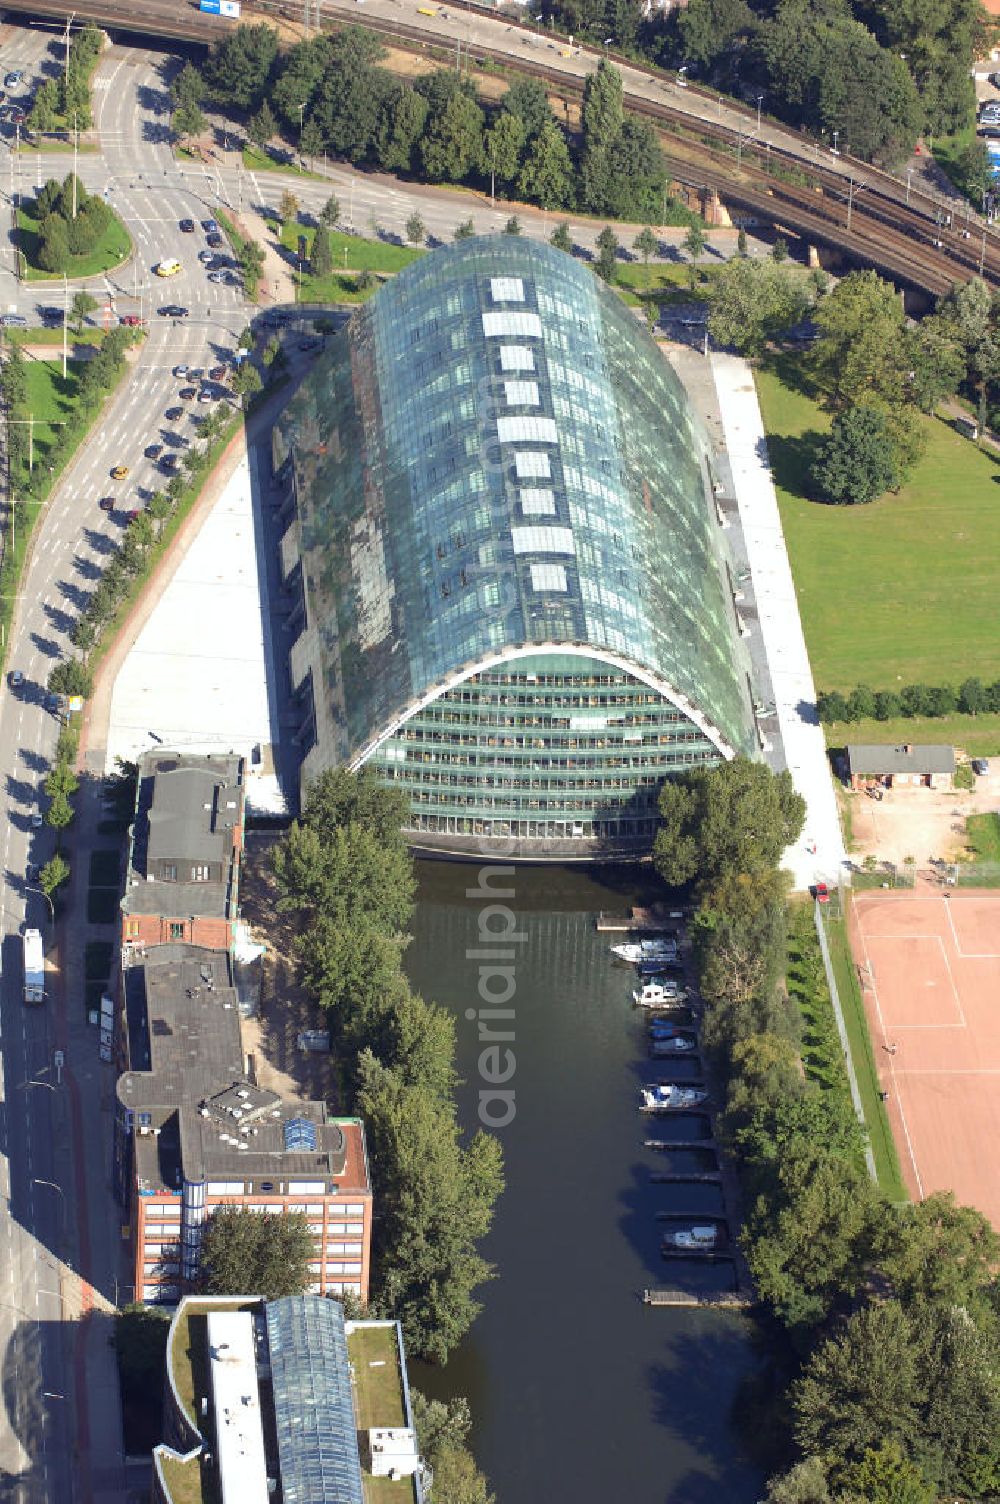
(858, 210)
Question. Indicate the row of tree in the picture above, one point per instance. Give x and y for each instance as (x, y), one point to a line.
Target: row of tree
(891, 1313)
(330, 94)
(876, 74)
(65, 100)
(70, 222)
(971, 697)
(345, 871)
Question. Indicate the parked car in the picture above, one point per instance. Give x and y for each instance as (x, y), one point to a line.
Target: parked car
(153, 451)
(132, 514)
(32, 872)
(13, 320)
(107, 503)
(206, 257)
(119, 472)
(981, 766)
(173, 413)
(170, 463)
(15, 679)
(217, 373)
(13, 78)
(821, 893)
(180, 370)
(187, 226)
(215, 241)
(210, 226)
(219, 278)
(187, 393)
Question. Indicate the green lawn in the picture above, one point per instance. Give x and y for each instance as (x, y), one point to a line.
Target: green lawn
(979, 735)
(354, 252)
(863, 1056)
(805, 978)
(983, 835)
(54, 336)
(50, 399)
(110, 250)
(255, 160)
(378, 1390)
(901, 591)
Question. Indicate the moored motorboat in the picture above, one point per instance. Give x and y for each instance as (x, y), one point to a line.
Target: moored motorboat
(698, 1238)
(669, 1096)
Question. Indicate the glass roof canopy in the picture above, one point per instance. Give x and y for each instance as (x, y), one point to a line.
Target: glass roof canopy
(313, 1408)
(493, 458)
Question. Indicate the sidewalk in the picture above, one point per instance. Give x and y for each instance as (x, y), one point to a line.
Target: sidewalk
(819, 853)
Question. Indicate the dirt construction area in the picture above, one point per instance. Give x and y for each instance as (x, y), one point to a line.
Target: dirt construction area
(929, 965)
(919, 822)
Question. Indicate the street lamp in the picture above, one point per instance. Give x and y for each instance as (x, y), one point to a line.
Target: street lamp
(760, 101)
(836, 138)
(42, 894)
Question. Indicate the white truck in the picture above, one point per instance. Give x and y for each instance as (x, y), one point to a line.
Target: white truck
(34, 967)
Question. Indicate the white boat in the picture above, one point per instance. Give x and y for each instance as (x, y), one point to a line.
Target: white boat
(645, 950)
(659, 1096)
(656, 995)
(676, 1044)
(694, 1238)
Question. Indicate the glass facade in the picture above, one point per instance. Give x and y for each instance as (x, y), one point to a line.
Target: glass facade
(313, 1404)
(515, 598)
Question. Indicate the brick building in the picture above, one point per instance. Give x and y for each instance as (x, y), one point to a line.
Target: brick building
(195, 1131)
(185, 850)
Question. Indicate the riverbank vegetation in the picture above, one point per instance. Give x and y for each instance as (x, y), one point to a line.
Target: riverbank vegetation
(888, 1387)
(345, 871)
(330, 95)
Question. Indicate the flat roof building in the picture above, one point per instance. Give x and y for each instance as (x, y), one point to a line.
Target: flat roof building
(185, 850)
(194, 1131)
(516, 600)
(284, 1405)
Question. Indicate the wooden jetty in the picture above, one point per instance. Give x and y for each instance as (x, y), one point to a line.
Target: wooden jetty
(698, 1110)
(657, 921)
(706, 1177)
(703, 1255)
(679, 1143)
(717, 1219)
(732, 1300)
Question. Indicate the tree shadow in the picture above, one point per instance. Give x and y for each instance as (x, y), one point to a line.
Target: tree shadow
(792, 371)
(46, 645)
(86, 569)
(792, 458)
(60, 620)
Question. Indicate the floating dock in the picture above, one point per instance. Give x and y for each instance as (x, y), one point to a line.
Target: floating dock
(641, 921)
(695, 1177)
(680, 1143)
(731, 1300)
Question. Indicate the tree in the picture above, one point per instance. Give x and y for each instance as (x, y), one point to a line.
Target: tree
(646, 243)
(321, 252)
(188, 86)
(546, 175)
(858, 461)
(262, 127)
(44, 113)
(416, 230)
(288, 206)
(941, 1254)
(434, 1200)
(59, 813)
(452, 143)
(81, 305)
(140, 1341)
(159, 508)
(312, 140)
(442, 1434)
(737, 817)
(861, 349)
(238, 66)
(502, 148)
(862, 1387)
(741, 242)
(695, 242)
(402, 119)
(330, 212)
(245, 1253)
(607, 244)
(603, 122)
(513, 226)
(779, 250)
(464, 231)
(751, 302)
(528, 99)
(189, 120)
(884, 1476)
(562, 238)
(53, 874)
(71, 677)
(246, 380)
(805, 1483)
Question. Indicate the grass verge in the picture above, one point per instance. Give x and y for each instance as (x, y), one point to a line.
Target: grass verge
(983, 834)
(50, 336)
(111, 250)
(805, 978)
(863, 1055)
(354, 252)
(904, 589)
(256, 160)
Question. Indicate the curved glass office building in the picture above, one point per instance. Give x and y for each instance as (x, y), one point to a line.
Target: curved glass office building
(516, 602)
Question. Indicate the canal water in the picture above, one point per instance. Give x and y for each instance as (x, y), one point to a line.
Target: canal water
(580, 1393)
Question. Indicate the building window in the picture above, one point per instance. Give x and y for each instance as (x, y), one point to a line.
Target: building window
(176, 930)
(199, 874)
(168, 872)
(131, 929)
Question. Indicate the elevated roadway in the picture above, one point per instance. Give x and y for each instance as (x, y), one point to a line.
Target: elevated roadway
(764, 171)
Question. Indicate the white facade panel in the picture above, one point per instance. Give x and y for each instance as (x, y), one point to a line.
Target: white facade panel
(511, 321)
(517, 358)
(548, 577)
(543, 540)
(537, 502)
(529, 465)
(534, 430)
(506, 289)
(521, 393)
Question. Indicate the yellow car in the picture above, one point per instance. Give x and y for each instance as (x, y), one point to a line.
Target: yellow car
(119, 472)
(168, 268)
